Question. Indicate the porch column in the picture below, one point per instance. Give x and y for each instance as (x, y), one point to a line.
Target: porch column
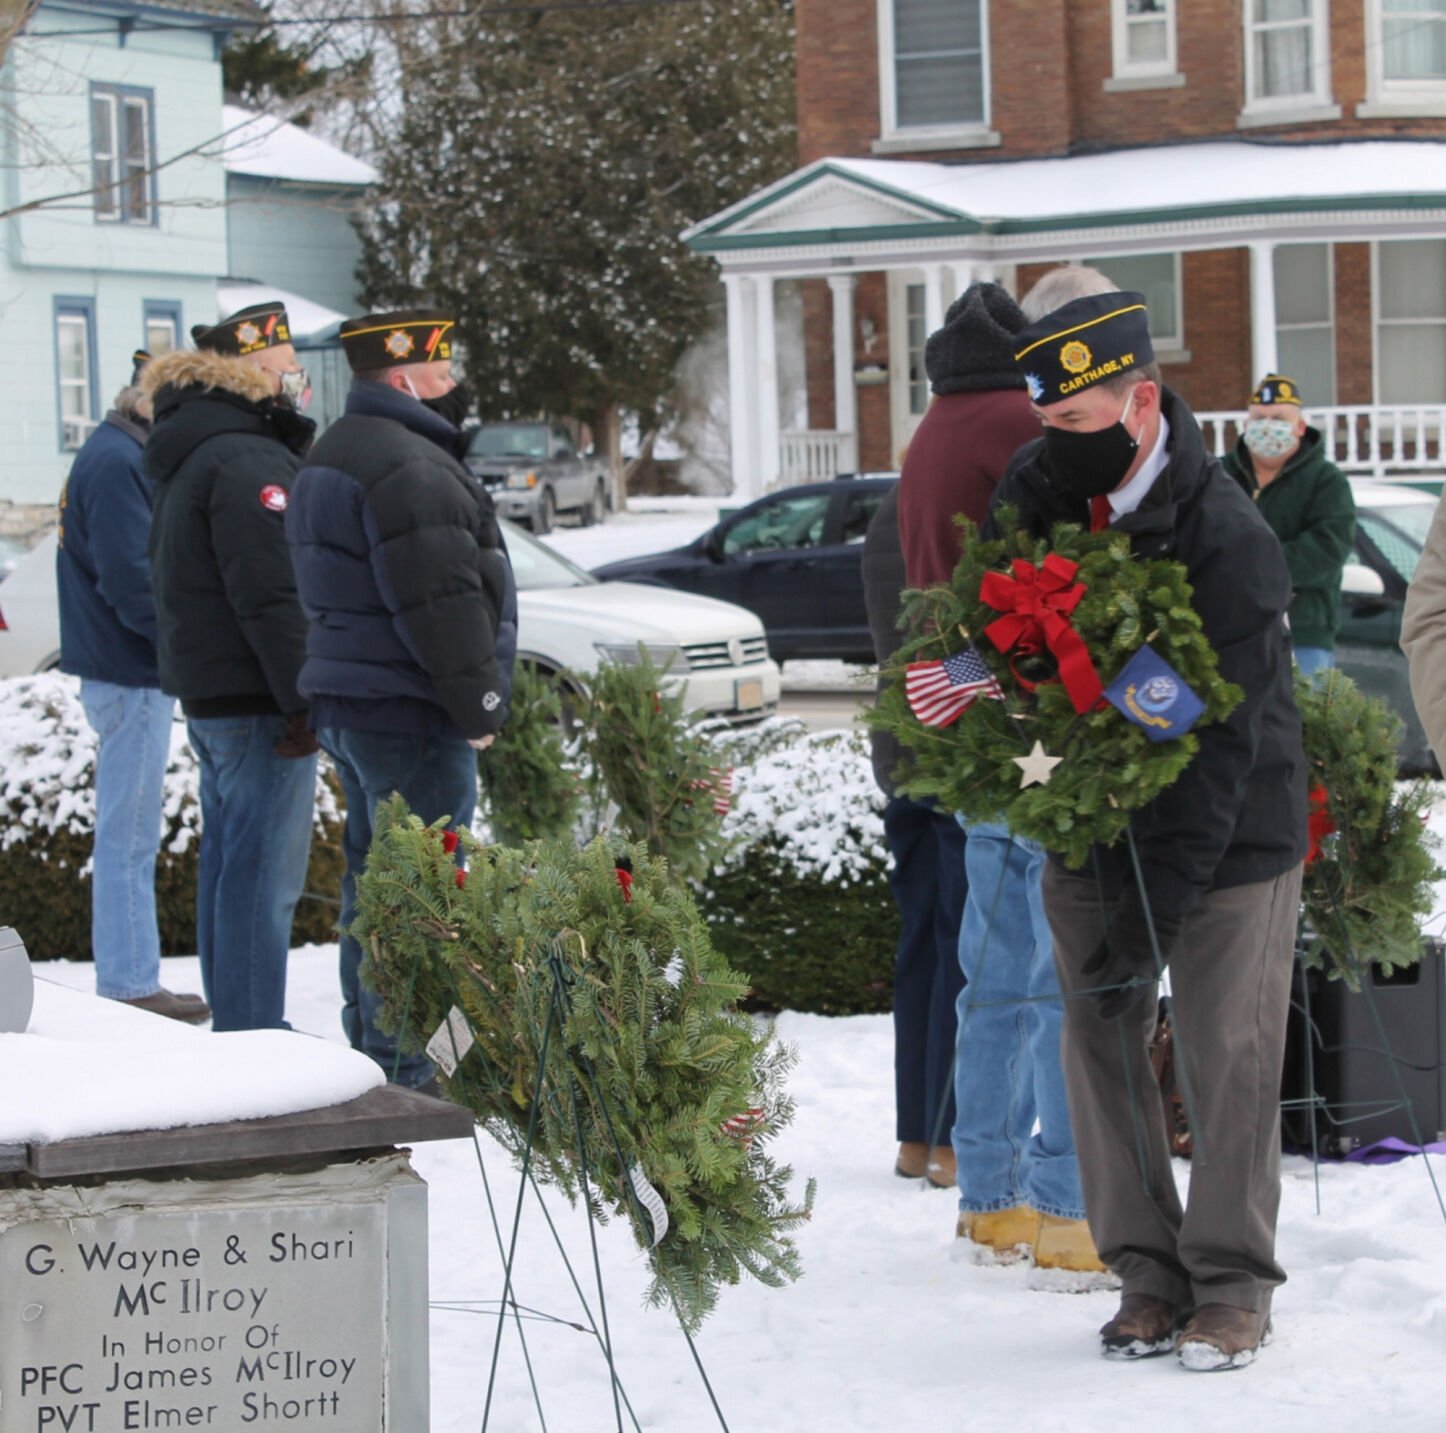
(742, 399)
(933, 298)
(985, 272)
(770, 460)
(845, 398)
(963, 276)
(1263, 354)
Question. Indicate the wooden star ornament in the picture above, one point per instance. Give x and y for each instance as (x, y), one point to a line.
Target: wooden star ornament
(1036, 768)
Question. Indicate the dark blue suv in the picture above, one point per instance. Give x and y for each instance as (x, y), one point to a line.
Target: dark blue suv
(792, 557)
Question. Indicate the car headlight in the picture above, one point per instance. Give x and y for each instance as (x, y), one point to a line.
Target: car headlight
(628, 654)
(522, 480)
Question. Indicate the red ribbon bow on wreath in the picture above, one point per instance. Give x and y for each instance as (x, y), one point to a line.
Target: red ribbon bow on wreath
(1319, 824)
(1038, 603)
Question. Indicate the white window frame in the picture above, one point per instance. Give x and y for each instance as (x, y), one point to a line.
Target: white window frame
(894, 138)
(1386, 99)
(1377, 321)
(1310, 105)
(1167, 350)
(111, 197)
(1328, 323)
(1147, 74)
(76, 315)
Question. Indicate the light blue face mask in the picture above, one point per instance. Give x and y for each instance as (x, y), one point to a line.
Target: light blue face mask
(1269, 437)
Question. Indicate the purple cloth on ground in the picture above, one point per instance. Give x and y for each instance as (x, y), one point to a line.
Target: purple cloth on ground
(1391, 1149)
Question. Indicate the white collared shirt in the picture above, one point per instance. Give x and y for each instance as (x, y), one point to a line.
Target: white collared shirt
(1128, 498)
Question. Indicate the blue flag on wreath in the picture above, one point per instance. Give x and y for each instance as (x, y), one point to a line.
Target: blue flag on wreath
(938, 691)
(1153, 695)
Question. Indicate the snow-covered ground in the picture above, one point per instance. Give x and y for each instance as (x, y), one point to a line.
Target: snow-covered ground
(887, 1329)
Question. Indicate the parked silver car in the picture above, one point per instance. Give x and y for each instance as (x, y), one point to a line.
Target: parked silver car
(534, 472)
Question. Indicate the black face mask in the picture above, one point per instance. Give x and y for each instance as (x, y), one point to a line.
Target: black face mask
(1089, 465)
(452, 406)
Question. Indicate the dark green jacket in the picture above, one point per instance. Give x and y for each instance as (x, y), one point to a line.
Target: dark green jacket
(1310, 509)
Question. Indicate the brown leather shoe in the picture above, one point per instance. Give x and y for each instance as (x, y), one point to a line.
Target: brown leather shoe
(1143, 1327)
(1221, 1336)
(189, 1008)
(913, 1161)
(942, 1173)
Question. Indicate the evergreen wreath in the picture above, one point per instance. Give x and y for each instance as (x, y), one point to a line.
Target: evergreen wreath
(1109, 767)
(651, 1066)
(1371, 866)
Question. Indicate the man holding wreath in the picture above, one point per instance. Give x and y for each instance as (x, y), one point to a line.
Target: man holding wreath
(1216, 891)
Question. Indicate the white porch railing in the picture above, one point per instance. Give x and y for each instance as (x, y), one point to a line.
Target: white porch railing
(812, 455)
(1373, 440)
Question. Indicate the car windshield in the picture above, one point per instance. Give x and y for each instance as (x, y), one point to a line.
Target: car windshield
(536, 565)
(1398, 529)
(509, 440)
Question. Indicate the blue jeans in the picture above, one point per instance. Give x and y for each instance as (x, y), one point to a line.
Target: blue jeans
(256, 812)
(436, 775)
(927, 879)
(134, 728)
(1007, 1072)
(1310, 660)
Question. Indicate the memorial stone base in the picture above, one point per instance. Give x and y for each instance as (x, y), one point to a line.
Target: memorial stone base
(267, 1274)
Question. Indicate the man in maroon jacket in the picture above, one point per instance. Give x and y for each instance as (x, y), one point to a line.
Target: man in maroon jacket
(1019, 1187)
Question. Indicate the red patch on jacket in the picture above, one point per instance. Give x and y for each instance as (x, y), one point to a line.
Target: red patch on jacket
(273, 498)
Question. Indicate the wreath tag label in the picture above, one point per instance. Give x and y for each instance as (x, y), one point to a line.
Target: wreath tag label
(449, 1044)
(652, 1201)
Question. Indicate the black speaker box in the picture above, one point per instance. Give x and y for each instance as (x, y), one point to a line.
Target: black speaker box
(1361, 1074)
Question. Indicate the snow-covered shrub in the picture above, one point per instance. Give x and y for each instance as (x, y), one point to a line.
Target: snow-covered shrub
(801, 904)
(47, 827)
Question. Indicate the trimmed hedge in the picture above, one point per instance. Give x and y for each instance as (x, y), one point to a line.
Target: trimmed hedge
(47, 823)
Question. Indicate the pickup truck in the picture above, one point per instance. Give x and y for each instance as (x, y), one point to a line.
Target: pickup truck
(534, 471)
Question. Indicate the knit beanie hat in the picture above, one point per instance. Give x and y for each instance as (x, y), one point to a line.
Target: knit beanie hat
(975, 348)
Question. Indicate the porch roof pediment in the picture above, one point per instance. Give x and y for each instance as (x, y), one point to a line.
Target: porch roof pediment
(841, 201)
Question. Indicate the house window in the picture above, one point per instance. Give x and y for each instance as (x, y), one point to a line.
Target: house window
(122, 154)
(1411, 321)
(1407, 48)
(1287, 54)
(163, 327)
(1304, 320)
(75, 370)
(933, 65)
(1157, 276)
(917, 333)
(1144, 38)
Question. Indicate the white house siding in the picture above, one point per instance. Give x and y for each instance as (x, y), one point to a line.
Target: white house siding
(64, 252)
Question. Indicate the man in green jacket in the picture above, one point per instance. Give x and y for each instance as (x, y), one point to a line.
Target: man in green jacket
(1281, 462)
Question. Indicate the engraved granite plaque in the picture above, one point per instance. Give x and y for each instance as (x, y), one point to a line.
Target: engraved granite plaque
(258, 1303)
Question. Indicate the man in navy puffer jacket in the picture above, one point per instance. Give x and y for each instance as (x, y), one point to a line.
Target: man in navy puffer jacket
(410, 606)
(108, 640)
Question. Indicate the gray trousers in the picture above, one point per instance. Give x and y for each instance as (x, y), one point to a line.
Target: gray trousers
(1230, 980)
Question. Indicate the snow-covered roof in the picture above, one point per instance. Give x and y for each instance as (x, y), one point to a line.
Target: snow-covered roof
(307, 318)
(838, 200)
(268, 148)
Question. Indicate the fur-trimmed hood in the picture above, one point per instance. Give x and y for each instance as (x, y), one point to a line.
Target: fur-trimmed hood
(200, 368)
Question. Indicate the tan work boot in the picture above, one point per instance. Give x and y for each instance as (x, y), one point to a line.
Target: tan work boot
(942, 1171)
(913, 1161)
(1221, 1336)
(1066, 1244)
(1004, 1234)
(1143, 1327)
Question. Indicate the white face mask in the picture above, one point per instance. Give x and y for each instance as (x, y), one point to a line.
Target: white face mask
(296, 389)
(1269, 437)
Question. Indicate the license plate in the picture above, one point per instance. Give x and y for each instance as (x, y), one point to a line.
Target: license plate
(748, 694)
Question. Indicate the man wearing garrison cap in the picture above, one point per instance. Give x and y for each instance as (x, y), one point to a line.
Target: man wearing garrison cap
(227, 442)
(410, 605)
(1220, 853)
(1281, 461)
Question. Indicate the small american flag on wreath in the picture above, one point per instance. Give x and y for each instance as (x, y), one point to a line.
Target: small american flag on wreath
(939, 691)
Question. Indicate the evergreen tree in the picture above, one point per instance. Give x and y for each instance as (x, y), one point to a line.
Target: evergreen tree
(541, 170)
(608, 1040)
(271, 70)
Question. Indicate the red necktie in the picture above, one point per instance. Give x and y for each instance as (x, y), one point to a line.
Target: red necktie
(1099, 514)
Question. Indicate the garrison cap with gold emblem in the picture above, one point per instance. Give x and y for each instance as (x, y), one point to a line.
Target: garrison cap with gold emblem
(388, 340)
(139, 359)
(1088, 341)
(1277, 388)
(248, 330)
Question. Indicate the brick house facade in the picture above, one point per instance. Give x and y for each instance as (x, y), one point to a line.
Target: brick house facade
(1329, 259)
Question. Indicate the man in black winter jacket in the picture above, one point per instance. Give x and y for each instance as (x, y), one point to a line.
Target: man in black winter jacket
(223, 453)
(1220, 852)
(411, 609)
